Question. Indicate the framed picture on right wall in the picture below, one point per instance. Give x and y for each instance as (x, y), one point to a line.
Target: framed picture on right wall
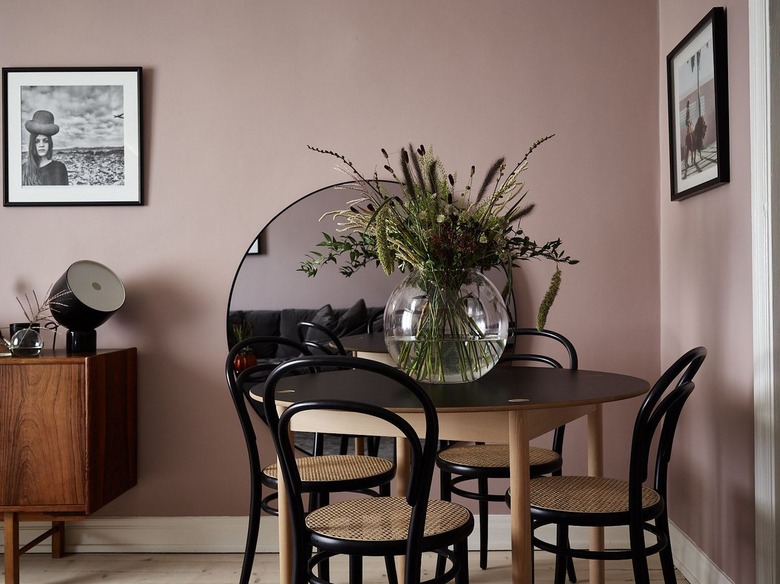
(697, 76)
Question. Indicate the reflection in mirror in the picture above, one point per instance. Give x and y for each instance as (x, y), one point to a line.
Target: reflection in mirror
(269, 279)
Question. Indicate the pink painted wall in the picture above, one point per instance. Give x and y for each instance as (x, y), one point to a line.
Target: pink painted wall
(706, 299)
(235, 90)
(271, 279)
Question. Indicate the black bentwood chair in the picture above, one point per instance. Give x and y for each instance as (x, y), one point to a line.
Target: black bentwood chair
(481, 462)
(323, 474)
(406, 525)
(598, 501)
(320, 340)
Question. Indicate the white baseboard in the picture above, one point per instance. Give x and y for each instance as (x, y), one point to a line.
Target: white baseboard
(227, 535)
(156, 535)
(694, 563)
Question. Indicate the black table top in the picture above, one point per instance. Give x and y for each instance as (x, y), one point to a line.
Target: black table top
(503, 388)
(366, 343)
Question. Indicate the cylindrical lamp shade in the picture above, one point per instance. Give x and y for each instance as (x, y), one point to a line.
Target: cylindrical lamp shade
(87, 294)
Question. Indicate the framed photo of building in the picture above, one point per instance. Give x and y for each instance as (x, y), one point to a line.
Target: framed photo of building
(697, 76)
(72, 136)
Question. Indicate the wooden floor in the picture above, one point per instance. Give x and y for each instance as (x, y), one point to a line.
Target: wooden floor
(225, 569)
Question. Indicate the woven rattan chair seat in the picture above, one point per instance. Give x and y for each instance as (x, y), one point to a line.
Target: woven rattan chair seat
(383, 519)
(336, 467)
(492, 455)
(586, 494)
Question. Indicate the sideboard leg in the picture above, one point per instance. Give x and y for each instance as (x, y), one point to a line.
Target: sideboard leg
(11, 553)
(57, 539)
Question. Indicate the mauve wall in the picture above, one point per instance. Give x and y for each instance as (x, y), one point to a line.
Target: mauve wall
(272, 278)
(706, 298)
(234, 91)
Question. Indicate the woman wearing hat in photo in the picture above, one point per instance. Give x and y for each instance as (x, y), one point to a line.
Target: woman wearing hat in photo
(40, 169)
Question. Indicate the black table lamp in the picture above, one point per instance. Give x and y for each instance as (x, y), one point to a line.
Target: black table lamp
(87, 294)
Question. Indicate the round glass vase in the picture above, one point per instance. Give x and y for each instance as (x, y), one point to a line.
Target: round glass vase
(446, 326)
(27, 342)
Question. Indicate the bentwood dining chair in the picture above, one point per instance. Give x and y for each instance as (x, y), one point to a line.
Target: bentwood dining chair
(319, 339)
(596, 501)
(321, 474)
(460, 462)
(406, 525)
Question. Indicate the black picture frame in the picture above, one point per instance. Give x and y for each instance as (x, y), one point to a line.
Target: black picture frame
(697, 82)
(90, 120)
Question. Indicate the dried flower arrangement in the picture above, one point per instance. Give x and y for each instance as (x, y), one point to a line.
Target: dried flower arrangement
(436, 227)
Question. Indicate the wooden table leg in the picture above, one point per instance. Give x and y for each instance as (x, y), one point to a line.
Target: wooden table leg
(596, 469)
(11, 553)
(520, 514)
(403, 466)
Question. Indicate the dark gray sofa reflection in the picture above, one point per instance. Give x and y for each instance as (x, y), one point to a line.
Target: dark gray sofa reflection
(355, 320)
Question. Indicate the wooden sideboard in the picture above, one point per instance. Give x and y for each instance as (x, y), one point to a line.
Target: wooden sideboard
(67, 440)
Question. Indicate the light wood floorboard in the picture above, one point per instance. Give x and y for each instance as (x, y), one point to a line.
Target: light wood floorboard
(225, 569)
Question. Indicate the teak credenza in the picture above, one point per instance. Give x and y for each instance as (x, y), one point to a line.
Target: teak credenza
(67, 441)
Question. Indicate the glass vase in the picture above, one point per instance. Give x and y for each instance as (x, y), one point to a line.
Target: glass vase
(26, 342)
(446, 326)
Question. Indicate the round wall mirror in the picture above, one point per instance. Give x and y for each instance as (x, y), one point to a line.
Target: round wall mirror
(271, 294)
(268, 279)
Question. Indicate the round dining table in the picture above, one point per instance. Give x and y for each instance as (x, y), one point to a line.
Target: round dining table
(509, 404)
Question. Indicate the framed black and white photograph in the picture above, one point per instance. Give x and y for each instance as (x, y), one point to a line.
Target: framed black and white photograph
(72, 136)
(697, 76)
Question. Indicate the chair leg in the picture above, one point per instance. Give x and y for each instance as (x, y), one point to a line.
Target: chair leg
(638, 556)
(392, 574)
(319, 445)
(667, 560)
(444, 486)
(320, 500)
(446, 495)
(482, 489)
(355, 569)
(569, 560)
(562, 543)
(462, 553)
(570, 565)
(324, 569)
(441, 563)
(253, 531)
(373, 445)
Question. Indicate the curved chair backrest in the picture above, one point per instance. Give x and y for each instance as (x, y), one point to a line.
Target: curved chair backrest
(257, 371)
(538, 357)
(542, 357)
(319, 339)
(661, 408)
(239, 385)
(365, 371)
